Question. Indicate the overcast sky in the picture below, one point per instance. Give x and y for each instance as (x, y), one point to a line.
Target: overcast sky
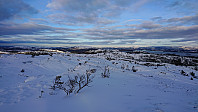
(100, 23)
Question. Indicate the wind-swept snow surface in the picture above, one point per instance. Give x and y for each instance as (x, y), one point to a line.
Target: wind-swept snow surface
(26, 81)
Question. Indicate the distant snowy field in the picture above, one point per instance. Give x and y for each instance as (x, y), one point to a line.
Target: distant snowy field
(24, 78)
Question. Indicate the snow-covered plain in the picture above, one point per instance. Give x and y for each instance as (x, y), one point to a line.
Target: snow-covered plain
(150, 89)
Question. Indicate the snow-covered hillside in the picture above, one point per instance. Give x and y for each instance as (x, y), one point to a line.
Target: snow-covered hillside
(133, 86)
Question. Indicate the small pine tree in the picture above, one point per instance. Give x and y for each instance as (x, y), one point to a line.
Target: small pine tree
(106, 73)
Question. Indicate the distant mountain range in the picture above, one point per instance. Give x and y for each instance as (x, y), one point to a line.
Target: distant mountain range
(85, 48)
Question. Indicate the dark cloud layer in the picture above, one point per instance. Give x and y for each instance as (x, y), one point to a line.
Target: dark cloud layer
(28, 29)
(148, 25)
(14, 8)
(190, 20)
(35, 42)
(173, 32)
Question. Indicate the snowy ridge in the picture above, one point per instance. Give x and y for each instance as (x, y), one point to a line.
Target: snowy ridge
(134, 85)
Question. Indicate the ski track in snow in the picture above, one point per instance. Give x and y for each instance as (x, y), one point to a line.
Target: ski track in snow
(150, 89)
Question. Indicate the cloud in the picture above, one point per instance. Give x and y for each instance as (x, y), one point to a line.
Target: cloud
(15, 8)
(175, 4)
(139, 3)
(145, 25)
(148, 25)
(95, 12)
(183, 6)
(194, 39)
(36, 42)
(166, 33)
(78, 12)
(125, 42)
(28, 29)
(173, 32)
(79, 20)
(78, 5)
(109, 42)
(186, 20)
(102, 36)
(158, 18)
(132, 20)
(39, 20)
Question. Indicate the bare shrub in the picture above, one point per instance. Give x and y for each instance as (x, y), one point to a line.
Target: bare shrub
(122, 66)
(184, 73)
(57, 83)
(93, 70)
(73, 84)
(106, 73)
(41, 94)
(192, 73)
